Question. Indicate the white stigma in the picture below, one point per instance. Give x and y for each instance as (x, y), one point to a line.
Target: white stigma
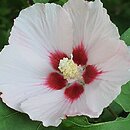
(69, 69)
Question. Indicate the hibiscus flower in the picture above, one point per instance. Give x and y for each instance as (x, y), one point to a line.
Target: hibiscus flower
(63, 61)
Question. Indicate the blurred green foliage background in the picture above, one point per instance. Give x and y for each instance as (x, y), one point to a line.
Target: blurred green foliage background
(119, 11)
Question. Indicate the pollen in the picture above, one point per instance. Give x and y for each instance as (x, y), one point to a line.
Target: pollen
(68, 68)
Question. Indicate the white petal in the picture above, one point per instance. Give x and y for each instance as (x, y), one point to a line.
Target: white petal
(99, 95)
(78, 10)
(80, 107)
(99, 25)
(102, 37)
(129, 49)
(52, 107)
(116, 69)
(21, 74)
(48, 107)
(43, 28)
(115, 72)
(102, 50)
(90, 21)
(93, 27)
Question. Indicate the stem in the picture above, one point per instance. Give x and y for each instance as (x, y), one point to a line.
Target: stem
(112, 112)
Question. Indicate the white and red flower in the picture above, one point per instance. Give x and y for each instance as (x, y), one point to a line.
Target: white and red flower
(63, 61)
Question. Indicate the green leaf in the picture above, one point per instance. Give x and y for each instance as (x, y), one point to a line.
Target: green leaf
(40, 1)
(124, 98)
(13, 120)
(76, 121)
(60, 2)
(109, 114)
(126, 37)
(119, 124)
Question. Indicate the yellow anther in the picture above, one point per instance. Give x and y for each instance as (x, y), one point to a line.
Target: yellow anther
(68, 68)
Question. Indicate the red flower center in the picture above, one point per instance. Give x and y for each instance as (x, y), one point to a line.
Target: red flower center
(57, 81)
